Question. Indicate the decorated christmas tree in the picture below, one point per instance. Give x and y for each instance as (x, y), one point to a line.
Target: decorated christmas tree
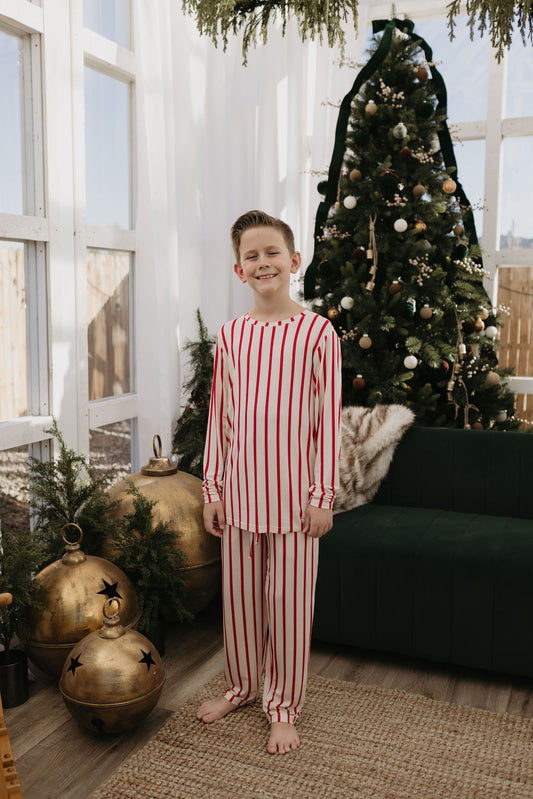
(397, 266)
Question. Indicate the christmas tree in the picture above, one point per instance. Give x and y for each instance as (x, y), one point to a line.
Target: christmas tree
(397, 267)
(189, 435)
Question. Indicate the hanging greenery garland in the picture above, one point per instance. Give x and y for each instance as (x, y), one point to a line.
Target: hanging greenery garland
(498, 18)
(319, 18)
(315, 18)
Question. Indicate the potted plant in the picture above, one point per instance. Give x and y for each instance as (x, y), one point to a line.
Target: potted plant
(150, 558)
(66, 489)
(20, 556)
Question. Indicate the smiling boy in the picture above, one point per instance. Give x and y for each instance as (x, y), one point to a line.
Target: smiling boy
(270, 470)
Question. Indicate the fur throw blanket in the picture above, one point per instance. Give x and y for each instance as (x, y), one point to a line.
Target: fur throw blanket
(369, 438)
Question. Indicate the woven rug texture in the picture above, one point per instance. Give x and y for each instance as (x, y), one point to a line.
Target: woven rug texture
(358, 742)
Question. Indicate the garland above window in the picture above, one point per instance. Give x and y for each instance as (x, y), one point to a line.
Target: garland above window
(315, 18)
(498, 19)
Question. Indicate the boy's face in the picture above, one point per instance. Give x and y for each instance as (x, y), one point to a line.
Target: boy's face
(265, 262)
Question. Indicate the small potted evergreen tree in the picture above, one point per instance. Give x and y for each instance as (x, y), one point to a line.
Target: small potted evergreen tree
(20, 556)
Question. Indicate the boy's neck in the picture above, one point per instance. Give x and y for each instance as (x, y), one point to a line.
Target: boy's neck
(275, 312)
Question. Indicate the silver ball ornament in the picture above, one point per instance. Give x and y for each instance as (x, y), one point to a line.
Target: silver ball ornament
(410, 362)
(400, 225)
(491, 331)
(399, 131)
(347, 303)
(349, 202)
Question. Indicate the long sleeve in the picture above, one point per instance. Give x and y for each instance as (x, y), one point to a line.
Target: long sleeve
(327, 422)
(216, 443)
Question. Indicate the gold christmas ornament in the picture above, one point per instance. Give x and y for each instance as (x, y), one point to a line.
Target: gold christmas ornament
(420, 226)
(483, 314)
(419, 190)
(365, 342)
(371, 108)
(355, 175)
(113, 678)
(426, 312)
(449, 186)
(180, 503)
(71, 593)
(479, 324)
(333, 314)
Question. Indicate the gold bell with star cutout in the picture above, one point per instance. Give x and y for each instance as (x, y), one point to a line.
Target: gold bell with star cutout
(113, 677)
(69, 593)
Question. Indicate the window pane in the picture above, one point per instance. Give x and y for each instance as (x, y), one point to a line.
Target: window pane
(14, 489)
(520, 67)
(108, 294)
(11, 165)
(463, 65)
(13, 351)
(109, 18)
(524, 410)
(515, 291)
(107, 131)
(110, 448)
(516, 221)
(470, 157)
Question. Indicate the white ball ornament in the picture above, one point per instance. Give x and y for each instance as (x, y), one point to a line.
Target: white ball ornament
(501, 416)
(491, 331)
(350, 202)
(410, 362)
(493, 378)
(399, 131)
(347, 303)
(400, 225)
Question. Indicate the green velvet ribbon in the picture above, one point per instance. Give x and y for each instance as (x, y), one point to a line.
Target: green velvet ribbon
(445, 141)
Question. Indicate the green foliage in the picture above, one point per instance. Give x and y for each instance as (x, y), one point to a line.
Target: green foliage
(152, 561)
(189, 435)
(314, 17)
(20, 556)
(65, 490)
(430, 263)
(498, 18)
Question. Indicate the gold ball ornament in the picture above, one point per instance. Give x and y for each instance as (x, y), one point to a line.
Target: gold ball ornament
(113, 678)
(70, 593)
(359, 382)
(449, 186)
(426, 312)
(395, 287)
(333, 313)
(493, 378)
(479, 324)
(371, 108)
(180, 503)
(355, 175)
(420, 226)
(483, 313)
(365, 342)
(419, 190)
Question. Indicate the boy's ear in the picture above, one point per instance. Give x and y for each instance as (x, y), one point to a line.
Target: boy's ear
(296, 262)
(237, 268)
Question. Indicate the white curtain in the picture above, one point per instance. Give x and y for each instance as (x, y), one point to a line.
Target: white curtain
(216, 139)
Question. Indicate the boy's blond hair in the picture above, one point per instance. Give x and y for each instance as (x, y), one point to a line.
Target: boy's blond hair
(253, 219)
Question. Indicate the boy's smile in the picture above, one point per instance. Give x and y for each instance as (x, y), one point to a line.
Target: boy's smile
(265, 261)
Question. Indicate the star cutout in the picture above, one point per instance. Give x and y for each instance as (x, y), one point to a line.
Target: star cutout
(110, 590)
(74, 664)
(147, 658)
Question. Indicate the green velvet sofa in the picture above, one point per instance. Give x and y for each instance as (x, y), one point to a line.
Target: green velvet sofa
(440, 564)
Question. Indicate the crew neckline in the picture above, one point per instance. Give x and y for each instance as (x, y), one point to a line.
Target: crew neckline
(249, 318)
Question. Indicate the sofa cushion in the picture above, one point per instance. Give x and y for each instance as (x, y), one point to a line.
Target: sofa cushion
(475, 471)
(444, 585)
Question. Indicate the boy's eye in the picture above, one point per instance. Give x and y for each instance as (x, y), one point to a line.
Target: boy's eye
(274, 252)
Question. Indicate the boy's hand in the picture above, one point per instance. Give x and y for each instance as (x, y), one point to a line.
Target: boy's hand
(317, 521)
(214, 519)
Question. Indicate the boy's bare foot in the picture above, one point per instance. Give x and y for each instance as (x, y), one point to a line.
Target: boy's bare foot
(283, 738)
(215, 709)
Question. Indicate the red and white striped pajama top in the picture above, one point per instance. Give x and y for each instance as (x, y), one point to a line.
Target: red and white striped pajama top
(273, 438)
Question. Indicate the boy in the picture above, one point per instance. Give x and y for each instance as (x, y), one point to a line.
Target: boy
(270, 469)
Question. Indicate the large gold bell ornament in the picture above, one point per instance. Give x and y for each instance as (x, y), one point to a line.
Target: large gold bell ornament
(113, 678)
(69, 593)
(180, 503)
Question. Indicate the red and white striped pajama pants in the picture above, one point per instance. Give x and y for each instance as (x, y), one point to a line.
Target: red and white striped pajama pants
(268, 584)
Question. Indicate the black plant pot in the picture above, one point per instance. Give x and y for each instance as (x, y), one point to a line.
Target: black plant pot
(13, 677)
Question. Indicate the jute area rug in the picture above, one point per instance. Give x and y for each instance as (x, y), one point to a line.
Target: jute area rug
(358, 741)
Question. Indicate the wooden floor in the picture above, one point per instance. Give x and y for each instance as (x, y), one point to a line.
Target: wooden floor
(57, 760)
